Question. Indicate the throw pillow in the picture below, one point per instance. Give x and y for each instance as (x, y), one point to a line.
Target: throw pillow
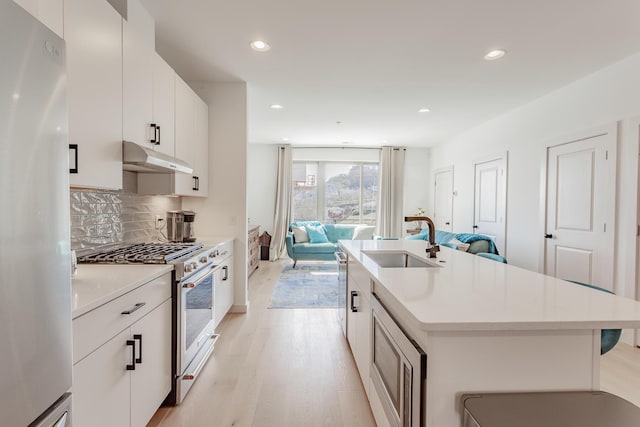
(300, 234)
(316, 234)
(363, 232)
(461, 246)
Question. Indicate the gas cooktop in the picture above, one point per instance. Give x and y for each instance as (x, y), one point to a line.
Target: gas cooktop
(142, 253)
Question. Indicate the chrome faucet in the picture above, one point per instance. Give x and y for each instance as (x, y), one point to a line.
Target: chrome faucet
(433, 248)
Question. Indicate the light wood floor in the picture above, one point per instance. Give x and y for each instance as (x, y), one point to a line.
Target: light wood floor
(293, 367)
(275, 367)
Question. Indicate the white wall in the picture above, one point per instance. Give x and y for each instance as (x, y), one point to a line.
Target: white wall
(418, 181)
(224, 212)
(610, 95)
(262, 179)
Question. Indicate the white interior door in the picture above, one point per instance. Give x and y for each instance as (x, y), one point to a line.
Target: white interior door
(490, 204)
(443, 203)
(579, 239)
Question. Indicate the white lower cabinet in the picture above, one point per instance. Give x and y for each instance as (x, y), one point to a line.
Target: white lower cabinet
(124, 380)
(223, 290)
(359, 321)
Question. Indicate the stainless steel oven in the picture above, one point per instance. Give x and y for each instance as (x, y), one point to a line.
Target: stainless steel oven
(196, 336)
(398, 370)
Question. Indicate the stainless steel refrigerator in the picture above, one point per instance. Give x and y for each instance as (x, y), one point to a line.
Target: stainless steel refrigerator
(35, 283)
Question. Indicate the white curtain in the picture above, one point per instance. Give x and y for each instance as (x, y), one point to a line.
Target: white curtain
(282, 217)
(390, 195)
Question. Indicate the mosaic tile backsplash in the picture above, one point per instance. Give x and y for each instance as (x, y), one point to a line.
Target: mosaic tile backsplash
(103, 218)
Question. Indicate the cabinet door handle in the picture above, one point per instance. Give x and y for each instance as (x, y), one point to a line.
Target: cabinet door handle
(155, 134)
(132, 367)
(226, 272)
(159, 136)
(474, 227)
(138, 306)
(548, 236)
(139, 338)
(197, 183)
(354, 294)
(195, 180)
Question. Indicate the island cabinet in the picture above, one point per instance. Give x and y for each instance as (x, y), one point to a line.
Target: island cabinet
(359, 318)
(122, 358)
(93, 36)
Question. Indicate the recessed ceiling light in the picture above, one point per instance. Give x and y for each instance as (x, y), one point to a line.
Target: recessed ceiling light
(495, 54)
(277, 107)
(424, 110)
(260, 46)
(285, 139)
(16, 96)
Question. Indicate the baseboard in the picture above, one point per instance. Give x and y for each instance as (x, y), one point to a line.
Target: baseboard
(239, 308)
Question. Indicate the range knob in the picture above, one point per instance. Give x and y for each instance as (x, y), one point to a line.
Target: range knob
(203, 259)
(194, 265)
(187, 268)
(212, 254)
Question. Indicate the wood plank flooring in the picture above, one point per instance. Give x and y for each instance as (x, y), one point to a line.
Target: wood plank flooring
(293, 367)
(275, 367)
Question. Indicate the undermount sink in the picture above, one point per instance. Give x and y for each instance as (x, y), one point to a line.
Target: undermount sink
(397, 259)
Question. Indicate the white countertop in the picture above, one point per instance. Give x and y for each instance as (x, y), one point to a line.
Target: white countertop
(97, 284)
(211, 241)
(473, 293)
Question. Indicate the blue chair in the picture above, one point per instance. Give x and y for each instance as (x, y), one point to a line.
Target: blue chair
(494, 257)
(608, 337)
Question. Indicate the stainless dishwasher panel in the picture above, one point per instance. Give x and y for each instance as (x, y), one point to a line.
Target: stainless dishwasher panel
(549, 409)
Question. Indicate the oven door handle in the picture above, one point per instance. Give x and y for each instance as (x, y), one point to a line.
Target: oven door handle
(200, 280)
(192, 376)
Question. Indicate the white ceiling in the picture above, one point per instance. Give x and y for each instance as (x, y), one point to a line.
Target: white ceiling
(372, 64)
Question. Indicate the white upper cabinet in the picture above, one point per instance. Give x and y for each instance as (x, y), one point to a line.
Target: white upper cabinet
(137, 90)
(201, 147)
(49, 12)
(93, 35)
(164, 99)
(185, 107)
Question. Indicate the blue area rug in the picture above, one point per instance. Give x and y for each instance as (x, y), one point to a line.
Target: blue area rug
(309, 285)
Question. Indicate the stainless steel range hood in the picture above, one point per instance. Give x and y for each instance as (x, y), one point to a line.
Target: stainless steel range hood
(139, 159)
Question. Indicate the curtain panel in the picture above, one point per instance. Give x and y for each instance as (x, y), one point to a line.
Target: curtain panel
(390, 194)
(282, 217)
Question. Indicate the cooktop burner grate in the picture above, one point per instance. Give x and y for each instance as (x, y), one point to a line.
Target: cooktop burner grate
(142, 253)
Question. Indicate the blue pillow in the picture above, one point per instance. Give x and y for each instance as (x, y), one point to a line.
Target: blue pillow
(316, 234)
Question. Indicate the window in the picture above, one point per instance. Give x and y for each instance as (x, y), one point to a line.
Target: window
(335, 192)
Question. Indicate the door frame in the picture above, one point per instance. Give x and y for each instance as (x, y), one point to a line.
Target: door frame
(449, 168)
(609, 128)
(485, 159)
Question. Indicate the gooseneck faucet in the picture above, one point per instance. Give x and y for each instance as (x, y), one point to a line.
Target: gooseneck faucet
(433, 247)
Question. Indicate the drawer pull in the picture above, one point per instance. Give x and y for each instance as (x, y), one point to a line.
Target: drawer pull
(136, 307)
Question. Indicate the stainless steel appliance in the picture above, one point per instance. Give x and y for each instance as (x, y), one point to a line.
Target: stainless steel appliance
(341, 257)
(398, 370)
(35, 257)
(195, 268)
(188, 232)
(548, 409)
(175, 226)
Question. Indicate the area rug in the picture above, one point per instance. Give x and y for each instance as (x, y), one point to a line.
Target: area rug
(309, 285)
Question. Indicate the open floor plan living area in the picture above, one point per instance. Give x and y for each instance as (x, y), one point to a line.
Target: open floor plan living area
(408, 214)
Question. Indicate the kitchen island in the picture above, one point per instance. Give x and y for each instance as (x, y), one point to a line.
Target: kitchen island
(484, 326)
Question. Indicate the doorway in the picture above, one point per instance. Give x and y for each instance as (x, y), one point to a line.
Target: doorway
(443, 199)
(580, 208)
(490, 201)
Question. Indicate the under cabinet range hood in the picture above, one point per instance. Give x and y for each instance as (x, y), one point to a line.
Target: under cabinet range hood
(136, 158)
